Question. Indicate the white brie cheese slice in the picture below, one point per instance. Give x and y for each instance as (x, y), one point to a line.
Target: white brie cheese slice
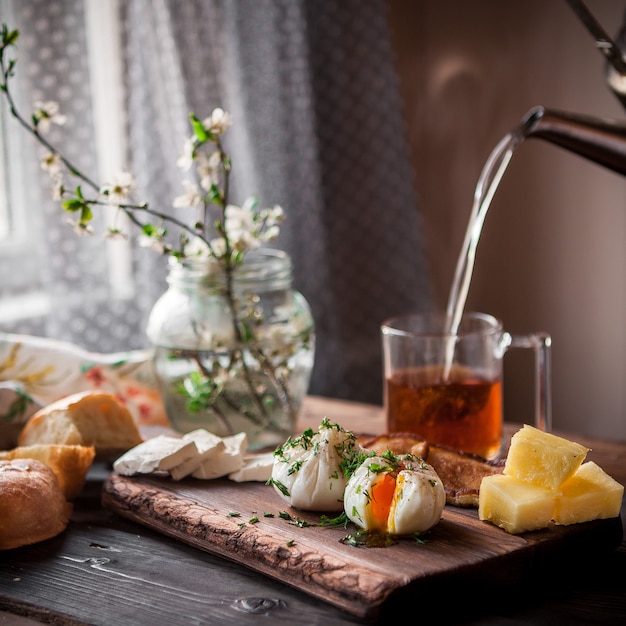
(229, 460)
(209, 446)
(257, 467)
(159, 453)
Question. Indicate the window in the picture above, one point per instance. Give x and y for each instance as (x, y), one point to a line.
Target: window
(20, 295)
(22, 252)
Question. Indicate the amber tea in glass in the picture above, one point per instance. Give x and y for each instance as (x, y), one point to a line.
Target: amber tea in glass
(447, 388)
(463, 411)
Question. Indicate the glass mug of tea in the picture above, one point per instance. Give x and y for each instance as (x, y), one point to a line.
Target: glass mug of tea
(447, 387)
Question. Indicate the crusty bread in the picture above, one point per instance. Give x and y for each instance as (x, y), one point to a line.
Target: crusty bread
(32, 505)
(69, 463)
(90, 418)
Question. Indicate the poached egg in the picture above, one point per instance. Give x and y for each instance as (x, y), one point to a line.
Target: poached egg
(398, 495)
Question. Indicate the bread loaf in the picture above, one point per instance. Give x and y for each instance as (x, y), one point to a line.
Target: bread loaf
(90, 418)
(32, 504)
(69, 463)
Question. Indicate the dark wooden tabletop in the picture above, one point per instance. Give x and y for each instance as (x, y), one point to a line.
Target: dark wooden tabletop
(105, 570)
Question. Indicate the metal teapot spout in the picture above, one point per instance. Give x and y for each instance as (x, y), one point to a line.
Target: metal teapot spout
(601, 140)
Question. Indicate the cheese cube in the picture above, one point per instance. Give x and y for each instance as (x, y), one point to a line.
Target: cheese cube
(542, 458)
(590, 494)
(515, 505)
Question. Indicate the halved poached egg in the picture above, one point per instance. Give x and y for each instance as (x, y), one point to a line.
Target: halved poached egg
(398, 495)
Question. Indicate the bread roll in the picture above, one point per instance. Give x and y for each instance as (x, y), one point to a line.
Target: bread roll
(69, 463)
(90, 418)
(32, 505)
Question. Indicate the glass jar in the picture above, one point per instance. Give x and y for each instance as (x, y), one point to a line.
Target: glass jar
(230, 365)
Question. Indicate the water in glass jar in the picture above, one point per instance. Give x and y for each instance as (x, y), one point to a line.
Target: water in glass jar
(233, 391)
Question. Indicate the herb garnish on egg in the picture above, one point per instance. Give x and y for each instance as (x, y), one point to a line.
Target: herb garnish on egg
(311, 471)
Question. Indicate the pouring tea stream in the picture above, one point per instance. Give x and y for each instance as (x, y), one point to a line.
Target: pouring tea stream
(600, 140)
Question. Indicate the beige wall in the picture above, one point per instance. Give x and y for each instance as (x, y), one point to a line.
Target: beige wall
(552, 254)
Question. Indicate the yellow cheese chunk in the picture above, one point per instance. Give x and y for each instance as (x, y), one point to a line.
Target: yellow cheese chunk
(542, 458)
(514, 505)
(590, 494)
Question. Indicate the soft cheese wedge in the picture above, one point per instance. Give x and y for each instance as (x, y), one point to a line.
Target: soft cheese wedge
(542, 458)
(209, 446)
(229, 460)
(590, 494)
(256, 467)
(159, 453)
(515, 505)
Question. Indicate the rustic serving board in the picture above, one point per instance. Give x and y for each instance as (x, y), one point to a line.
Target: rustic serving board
(242, 522)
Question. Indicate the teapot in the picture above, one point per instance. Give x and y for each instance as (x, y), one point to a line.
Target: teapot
(601, 140)
(598, 139)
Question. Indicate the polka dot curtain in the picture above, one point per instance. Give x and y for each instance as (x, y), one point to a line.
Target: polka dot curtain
(318, 129)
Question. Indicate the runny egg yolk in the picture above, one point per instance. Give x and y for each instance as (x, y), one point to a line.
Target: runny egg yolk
(381, 499)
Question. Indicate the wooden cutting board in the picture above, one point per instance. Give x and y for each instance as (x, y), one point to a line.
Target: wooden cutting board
(242, 522)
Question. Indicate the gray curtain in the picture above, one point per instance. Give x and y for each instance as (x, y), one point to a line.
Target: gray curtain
(318, 129)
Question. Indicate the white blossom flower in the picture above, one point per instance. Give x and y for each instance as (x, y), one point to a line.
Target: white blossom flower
(240, 226)
(196, 247)
(47, 113)
(208, 169)
(275, 215)
(115, 234)
(218, 246)
(57, 190)
(80, 228)
(187, 156)
(191, 199)
(51, 163)
(151, 243)
(218, 122)
(118, 190)
(270, 234)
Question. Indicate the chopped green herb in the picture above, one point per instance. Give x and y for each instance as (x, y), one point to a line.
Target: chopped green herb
(335, 522)
(282, 488)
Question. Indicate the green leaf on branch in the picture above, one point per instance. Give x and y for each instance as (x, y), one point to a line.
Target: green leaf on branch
(86, 214)
(9, 37)
(236, 257)
(246, 332)
(150, 230)
(201, 392)
(198, 129)
(73, 205)
(215, 194)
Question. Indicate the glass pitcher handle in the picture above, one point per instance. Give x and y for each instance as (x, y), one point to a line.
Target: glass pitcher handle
(541, 343)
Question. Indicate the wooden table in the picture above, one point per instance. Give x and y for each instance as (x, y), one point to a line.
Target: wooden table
(106, 570)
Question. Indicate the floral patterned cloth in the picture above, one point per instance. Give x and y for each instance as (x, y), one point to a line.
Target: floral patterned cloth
(36, 371)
